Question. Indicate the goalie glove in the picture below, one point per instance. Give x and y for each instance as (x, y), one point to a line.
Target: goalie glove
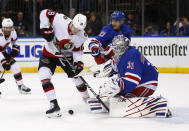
(110, 88)
(105, 71)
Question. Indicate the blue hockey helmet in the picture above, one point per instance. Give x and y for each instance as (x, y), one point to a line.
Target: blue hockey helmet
(117, 15)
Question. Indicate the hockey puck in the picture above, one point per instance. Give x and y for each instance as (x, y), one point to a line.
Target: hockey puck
(70, 112)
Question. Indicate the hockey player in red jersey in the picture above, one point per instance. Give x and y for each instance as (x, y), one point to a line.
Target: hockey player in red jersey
(8, 37)
(66, 36)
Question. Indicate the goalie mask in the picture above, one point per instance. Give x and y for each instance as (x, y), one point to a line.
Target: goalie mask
(120, 44)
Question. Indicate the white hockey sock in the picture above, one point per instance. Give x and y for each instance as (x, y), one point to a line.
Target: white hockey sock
(50, 95)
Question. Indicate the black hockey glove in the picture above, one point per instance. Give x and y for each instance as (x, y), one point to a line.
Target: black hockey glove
(78, 67)
(5, 63)
(47, 33)
(15, 50)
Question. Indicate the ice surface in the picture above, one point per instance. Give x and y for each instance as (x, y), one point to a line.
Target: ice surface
(27, 112)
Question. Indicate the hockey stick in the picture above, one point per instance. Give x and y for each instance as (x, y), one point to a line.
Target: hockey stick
(90, 88)
(2, 79)
(87, 52)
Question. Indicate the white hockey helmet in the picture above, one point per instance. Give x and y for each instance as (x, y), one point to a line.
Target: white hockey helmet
(7, 22)
(80, 21)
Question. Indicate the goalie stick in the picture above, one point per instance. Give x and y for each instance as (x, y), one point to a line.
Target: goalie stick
(90, 88)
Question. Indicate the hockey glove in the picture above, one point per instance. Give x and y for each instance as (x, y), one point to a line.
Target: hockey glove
(5, 64)
(78, 67)
(94, 47)
(110, 88)
(15, 50)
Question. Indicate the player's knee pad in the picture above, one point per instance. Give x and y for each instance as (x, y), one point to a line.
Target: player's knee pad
(81, 86)
(44, 74)
(15, 68)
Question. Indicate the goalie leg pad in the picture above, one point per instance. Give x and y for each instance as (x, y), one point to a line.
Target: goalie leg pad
(138, 107)
(95, 106)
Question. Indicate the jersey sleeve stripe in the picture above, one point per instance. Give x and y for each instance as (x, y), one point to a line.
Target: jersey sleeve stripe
(131, 80)
(47, 13)
(132, 74)
(132, 77)
(53, 18)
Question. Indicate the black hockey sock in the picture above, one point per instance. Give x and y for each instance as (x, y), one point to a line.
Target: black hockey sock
(82, 88)
(49, 90)
(18, 76)
(47, 86)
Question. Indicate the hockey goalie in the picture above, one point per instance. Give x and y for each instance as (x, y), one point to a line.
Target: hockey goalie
(132, 81)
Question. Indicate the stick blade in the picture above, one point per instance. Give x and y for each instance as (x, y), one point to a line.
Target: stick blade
(2, 80)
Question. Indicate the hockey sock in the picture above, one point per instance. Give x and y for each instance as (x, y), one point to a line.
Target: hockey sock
(81, 87)
(18, 78)
(48, 89)
(83, 90)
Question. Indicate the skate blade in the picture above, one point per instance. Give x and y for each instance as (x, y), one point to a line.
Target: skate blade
(56, 114)
(24, 93)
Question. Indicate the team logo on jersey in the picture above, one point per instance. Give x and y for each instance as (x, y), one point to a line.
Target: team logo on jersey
(130, 65)
(102, 34)
(68, 46)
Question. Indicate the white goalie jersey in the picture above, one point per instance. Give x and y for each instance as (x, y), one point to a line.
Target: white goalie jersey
(60, 25)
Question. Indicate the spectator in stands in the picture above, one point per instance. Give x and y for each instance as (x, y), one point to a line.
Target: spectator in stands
(184, 30)
(183, 25)
(132, 22)
(94, 25)
(20, 25)
(168, 31)
(72, 13)
(3, 5)
(149, 31)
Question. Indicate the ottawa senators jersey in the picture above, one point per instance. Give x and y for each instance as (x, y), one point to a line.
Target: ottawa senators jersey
(5, 41)
(60, 24)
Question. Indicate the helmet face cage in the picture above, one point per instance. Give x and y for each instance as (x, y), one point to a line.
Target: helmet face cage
(120, 44)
